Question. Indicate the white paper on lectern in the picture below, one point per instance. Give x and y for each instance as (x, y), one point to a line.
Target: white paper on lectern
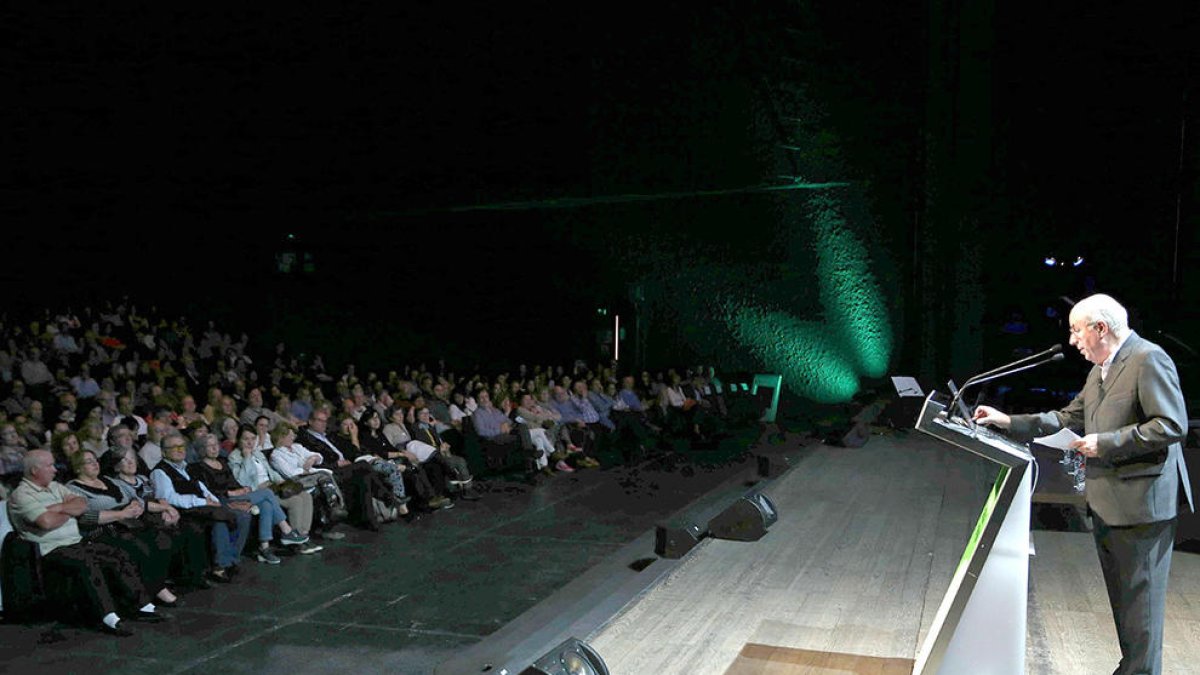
(1060, 440)
(907, 386)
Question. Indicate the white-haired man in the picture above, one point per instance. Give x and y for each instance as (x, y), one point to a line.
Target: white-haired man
(1131, 414)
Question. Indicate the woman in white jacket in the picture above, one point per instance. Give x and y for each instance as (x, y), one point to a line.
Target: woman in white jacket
(249, 465)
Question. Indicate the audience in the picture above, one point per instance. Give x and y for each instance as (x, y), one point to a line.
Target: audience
(301, 446)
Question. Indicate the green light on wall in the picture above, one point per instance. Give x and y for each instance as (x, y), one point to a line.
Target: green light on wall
(853, 304)
(810, 363)
(824, 360)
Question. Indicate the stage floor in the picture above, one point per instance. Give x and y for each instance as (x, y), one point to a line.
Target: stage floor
(855, 569)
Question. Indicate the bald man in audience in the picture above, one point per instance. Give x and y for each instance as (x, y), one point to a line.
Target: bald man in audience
(44, 512)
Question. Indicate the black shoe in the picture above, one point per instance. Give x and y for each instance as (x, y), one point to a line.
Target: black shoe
(119, 630)
(177, 602)
(220, 575)
(150, 617)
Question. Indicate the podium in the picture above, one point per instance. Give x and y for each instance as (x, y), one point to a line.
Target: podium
(980, 626)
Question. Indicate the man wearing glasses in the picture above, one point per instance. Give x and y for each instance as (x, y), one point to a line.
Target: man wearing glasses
(1131, 414)
(230, 525)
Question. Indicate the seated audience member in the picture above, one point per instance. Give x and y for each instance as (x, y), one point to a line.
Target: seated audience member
(262, 427)
(175, 484)
(32, 433)
(114, 517)
(229, 435)
(92, 438)
(463, 407)
(213, 471)
(396, 431)
(584, 410)
(391, 472)
(125, 410)
(302, 405)
(17, 402)
(256, 409)
(357, 480)
(292, 460)
(189, 412)
(454, 469)
(189, 553)
(540, 421)
(494, 429)
(227, 408)
(601, 402)
(252, 470)
(84, 385)
(45, 512)
(151, 451)
(428, 481)
(673, 405)
(195, 434)
(64, 445)
(213, 407)
(12, 455)
(120, 439)
(580, 438)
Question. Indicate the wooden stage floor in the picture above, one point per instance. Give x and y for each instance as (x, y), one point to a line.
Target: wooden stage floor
(849, 579)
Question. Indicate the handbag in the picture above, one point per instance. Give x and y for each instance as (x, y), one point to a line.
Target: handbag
(288, 488)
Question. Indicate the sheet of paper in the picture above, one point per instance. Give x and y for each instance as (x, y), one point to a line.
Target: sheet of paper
(1060, 440)
(907, 386)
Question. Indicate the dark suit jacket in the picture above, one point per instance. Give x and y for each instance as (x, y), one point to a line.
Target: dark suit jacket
(1139, 475)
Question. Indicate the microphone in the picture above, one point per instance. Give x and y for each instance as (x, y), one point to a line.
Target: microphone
(1054, 353)
(1054, 349)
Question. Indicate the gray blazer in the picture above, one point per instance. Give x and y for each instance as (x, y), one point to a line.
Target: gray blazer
(1138, 414)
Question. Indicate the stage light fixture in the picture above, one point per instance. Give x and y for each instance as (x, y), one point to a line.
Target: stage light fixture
(572, 657)
(1050, 261)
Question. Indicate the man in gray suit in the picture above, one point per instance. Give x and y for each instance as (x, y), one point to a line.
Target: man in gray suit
(1132, 418)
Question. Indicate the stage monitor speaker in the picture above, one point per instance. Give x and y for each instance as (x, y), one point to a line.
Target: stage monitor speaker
(573, 657)
(674, 540)
(746, 520)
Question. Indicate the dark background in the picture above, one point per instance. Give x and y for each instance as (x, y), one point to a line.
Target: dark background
(173, 153)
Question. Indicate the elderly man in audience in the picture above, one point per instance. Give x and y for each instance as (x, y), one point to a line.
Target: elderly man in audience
(541, 423)
(577, 428)
(45, 512)
(495, 430)
(230, 525)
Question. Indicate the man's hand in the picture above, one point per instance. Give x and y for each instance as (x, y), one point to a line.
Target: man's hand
(241, 506)
(133, 510)
(343, 462)
(505, 427)
(986, 414)
(211, 502)
(1087, 446)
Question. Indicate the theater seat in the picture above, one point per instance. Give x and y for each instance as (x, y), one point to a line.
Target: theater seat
(21, 578)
